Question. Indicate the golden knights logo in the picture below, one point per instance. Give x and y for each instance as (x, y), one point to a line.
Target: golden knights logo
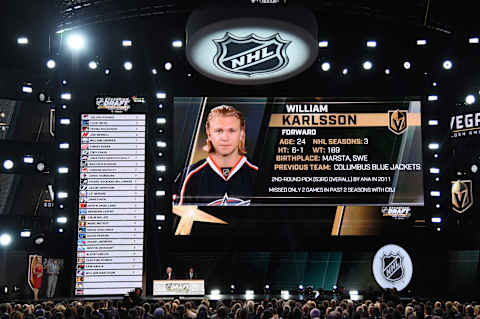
(251, 55)
(392, 267)
(397, 121)
(462, 195)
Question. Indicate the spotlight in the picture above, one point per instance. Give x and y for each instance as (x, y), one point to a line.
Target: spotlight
(407, 65)
(447, 64)
(63, 170)
(473, 40)
(65, 121)
(107, 71)
(25, 233)
(64, 82)
(285, 294)
(367, 65)
(436, 220)
(161, 168)
(5, 239)
(154, 71)
(345, 71)
(7, 164)
(470, 99)
(27, 89)
(92, 65)
(177, 44)
(159, 193)
(62, 220)
(60, 230)
(323, 44)
(437, 206)
(161, 144)
(39, 239)
(215, 292)
(435, 193)
(64, 146)
(64, 106)
(159, 217)
(22, 40)
(76, 42)
(160, 106)
(66, 96)
(432, 97)
(168, 66)
(127, 43)
(433, 122)
(161, 120)
(40, 167)
(434, 83)
(325, 66)
(439, 229)
(61, 195)
(51, 64)
(434, 170)
(474, 168)
(421, 42)
(128, 66)
(300, 287)
(371, 44)
(433, 146)
(161, 95)
(28, 159)
(387, 71)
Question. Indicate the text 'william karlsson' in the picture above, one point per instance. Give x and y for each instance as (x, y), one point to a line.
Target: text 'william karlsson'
(319, 119)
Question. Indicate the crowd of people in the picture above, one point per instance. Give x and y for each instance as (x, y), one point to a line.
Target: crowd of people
(134, 307)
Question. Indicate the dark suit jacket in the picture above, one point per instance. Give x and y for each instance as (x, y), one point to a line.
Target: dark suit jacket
(187, 276)
(172, 277)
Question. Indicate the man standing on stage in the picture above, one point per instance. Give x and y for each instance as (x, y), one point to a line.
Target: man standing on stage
(53, 269)
(169, 275)
(191, 274)
(225, 177)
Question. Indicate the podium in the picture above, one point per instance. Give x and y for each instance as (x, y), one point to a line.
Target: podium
(179, 287)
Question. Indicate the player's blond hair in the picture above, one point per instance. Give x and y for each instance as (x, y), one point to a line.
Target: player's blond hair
(225, 110)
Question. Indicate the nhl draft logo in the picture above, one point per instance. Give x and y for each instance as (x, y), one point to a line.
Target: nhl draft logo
(397, 121)
(392, 266)
(251, 55)
(462, 195)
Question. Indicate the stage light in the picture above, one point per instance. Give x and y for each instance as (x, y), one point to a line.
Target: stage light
(160, 168)
(22, 40)
(159, 227)
(387, 71)
(232, 287)
(177, 44)
(127, 43)
(249, 294)
(447, 64)
(159, 193)
(5, 239)
(160, 154)
(66, 96)
(92, 65)
(168, 66)
(367, 65)
(439, 229)
(437, 206)
(323, 44)
(407, 65)
(285, 294)
(154, 71)
(60, 206)
(25, 233)
(40, 167)
(435, 193)
(160, 179)
(64, 82)
(474, 168)
(39, 239)
(433, 146)
(161, 95)
(345, 71)
(421, 42)
(434, 170)
(434, 83)
(128, 66)
(64, 106)
(161, 120)
(159, 217)
(76, 42)
(215, 292)
(62, 195)
(107, 71)
(60, 230)
(27, 89)
(469, 99)
(64, 146)
(436, 220)
(161, 144)
(325, 66)
(51, 64)
(435, 155)
(437, 179)
(371, 44)
(28, 159)
(433, 122)
(432, 98)
(160, 106)
(65, 121)
(62, 170)
(300, 287)
(8, 164)
(473, 40)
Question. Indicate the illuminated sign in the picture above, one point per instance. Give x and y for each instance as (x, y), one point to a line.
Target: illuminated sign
(251, 47)
(462, 195)
(392, 267)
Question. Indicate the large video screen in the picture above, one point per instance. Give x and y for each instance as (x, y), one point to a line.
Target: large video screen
(111, 204)
(266, 151)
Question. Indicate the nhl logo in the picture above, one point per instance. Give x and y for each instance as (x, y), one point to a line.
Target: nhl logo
(397, 121)
(251, 55)
(462, 195)
(392, 267)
